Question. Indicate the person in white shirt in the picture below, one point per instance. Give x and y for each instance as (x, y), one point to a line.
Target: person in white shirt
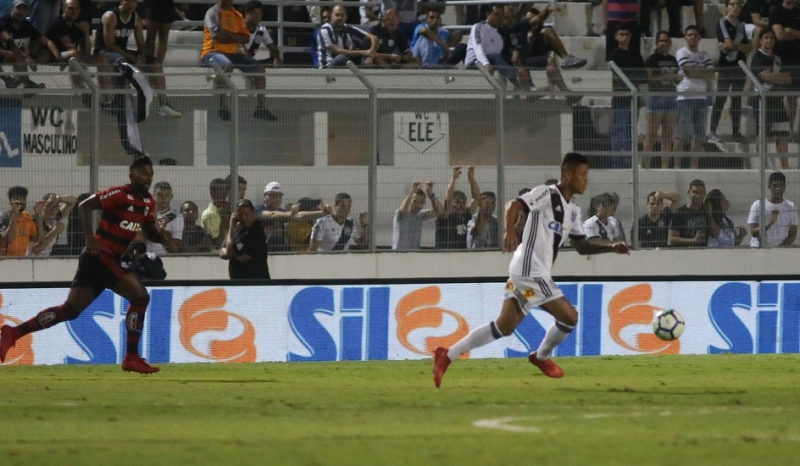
(485, 44)
(552, 217)
(167, 218)
(337, 232)
(781, 226)
(603, 228)
(698, 73)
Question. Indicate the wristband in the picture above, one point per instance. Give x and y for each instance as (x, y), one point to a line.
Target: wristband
(364, 225)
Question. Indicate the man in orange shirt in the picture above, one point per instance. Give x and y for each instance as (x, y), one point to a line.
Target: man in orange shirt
(224, 30)
(18, 230)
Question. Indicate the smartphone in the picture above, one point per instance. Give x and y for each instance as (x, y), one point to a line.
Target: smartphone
(170, 217)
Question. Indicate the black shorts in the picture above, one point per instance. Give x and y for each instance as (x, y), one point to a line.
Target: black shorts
(160, 11)
(537, 47)
(98, 271)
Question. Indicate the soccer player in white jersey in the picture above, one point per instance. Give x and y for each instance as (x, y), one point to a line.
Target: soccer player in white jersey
(551, 216)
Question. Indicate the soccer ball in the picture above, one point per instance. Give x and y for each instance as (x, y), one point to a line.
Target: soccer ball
(668, 324)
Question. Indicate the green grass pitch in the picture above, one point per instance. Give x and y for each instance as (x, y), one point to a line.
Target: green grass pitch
(635, 410)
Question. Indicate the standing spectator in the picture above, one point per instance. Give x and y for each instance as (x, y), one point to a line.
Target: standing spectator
(211, 218)
(697, 71)
(602, 227)
(733, 47)
(631, 63)
(722, 233)
(337, 41)
(241, 189)
(73, 236)
(483, 229)
(689, 225)
(194, 238)
(304, 214)
(325, 18)
(43, 13)
(784, 20)
(224, 31)
(452, 224)
(393, 48)
(431, 43)
(167, 219)
(485, 45)
(336, 231)
(53, 221)
(769, 69)
(158, 18)
(370, 15)
(616, 12)
(653, 227)
(755, 16)
(662, 110)
(15, 27)
(245, 246)
(259, 34)
(407, 11)
(407, 224)
(781, 229)
(19, 234)
(273, 216)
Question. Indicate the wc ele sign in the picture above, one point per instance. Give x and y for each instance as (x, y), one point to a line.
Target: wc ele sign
(421, 132)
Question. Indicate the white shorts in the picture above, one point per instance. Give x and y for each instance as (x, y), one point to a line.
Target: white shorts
(532, 291)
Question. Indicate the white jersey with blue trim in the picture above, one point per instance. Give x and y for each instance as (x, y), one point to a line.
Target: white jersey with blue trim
(549, 217)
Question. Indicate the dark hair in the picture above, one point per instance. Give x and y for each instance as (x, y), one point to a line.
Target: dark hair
(420, 192)
(534, 12)
(690, 27)
(17, 191)
(524, 190)
(140, 161)
(605, 199)
(459, 195)
(189, 202)
(489, 194)
(245, 203)
(663, 32)
(241, 180)
(340, 197)
(551, 181)
(714, 198)
(624, 26)
(252, 5)
(651, 195)
(696, 183)
(168, 161)
(163, 186)
(573, 159)
(764, 32)
(777, 177)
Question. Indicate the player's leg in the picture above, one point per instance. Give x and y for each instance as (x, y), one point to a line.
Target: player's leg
(132, 289)
(566, 318)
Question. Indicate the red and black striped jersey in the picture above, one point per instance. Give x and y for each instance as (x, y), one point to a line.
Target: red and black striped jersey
(123, 214)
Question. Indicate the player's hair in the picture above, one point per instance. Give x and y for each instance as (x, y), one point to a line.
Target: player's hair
(764, 32)
(690, 27)
(17, 191)
(162, 186)
(572, 160)
(697, 183)
(777, 177)
(524, 191)
(551, 181)
(140, 161)
(340, 197)
(245, 203)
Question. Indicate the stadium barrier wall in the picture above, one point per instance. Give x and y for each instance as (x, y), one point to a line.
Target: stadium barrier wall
(398, 320)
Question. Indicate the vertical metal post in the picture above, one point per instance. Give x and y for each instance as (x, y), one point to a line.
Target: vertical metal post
(500, 103)
(280, 29)
(762, 148)
(234, 134)
(372, 172)
(634, 146)
(94, 156)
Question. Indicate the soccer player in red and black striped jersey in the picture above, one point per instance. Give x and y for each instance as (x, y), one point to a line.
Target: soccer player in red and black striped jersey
(126, 215)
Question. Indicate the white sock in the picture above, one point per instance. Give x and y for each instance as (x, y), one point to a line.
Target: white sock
(554, 336)
(481, 336)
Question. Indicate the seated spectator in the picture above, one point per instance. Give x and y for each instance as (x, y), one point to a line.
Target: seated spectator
(370, 15)
(15, 27)
(211, 218)
(194, 238)
(662, 110)
(337, 41)
(689, 224)
(408, 219)
(431, 43)
(253, 12)
(485, 46)
(653, 227)
(298, 230)
(452, 223)
(19, 234)
(336, 231)
(167, 219)
(393, 47)
(245, 247)
(53, 220)
(224, 31)
(769, 69)
(325, 18)
(781, 228)
(602, 228)
(755, 16)
(721, 231)
(483, 229)
(613, 213)
(72, 39)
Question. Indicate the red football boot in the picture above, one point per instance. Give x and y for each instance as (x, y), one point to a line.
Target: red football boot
(547, 366)
(135, 363)
(8, 337)
(440, 364)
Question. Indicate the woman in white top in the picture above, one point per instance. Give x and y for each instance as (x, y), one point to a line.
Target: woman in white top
(722, 233)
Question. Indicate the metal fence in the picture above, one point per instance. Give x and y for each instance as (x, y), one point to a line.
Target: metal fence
(373, 133)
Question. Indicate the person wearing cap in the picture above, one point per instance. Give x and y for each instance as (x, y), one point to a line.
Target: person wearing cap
(259, 34)
(602, 228)
(15, 26)
(273, 216)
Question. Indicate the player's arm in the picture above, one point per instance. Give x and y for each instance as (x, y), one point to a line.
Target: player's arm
(584, 247)
(155, 234)
(514, 208)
